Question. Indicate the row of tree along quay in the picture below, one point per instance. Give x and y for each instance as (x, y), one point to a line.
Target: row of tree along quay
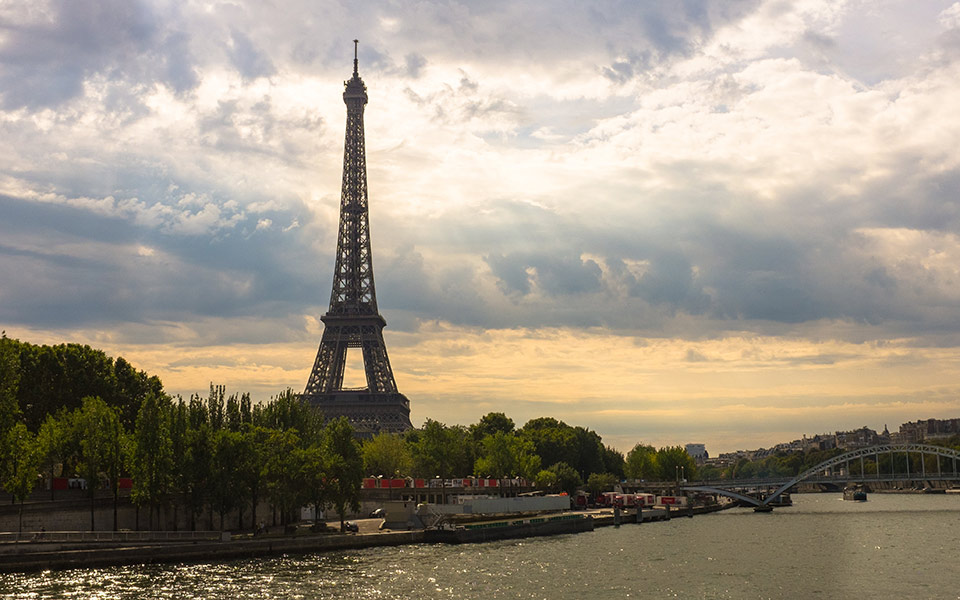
(71, 409)
(555, 456)
(217, 454)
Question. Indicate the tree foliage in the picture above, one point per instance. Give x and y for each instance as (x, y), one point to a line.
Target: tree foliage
(387, 454)
(284, 471)
(560, 477)
(441, 451)
(97, 435)
(491, 423)
(19, 462)
(641, 463)
(507, 455)
(344, 468)
(52, 378)
(152, 454)
(673, 462)
(53, 444)
(601, 482)
(9, 382)
(101, 418)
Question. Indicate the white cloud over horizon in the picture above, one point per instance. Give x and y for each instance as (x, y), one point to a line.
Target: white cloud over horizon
(587, 182)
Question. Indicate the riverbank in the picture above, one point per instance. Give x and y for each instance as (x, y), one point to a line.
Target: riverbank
(820, 547)
(54, 554)
(164, 552)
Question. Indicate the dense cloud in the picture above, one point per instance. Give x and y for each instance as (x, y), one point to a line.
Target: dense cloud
(668, 221)
(50, 50)
(743, 166)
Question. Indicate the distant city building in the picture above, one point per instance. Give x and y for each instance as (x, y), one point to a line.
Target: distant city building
(928, 430)
(860, 438)
(820, 441)
(914, 432)
(698, 452)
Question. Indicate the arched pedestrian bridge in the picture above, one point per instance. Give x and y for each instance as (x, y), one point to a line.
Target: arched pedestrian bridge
(935, 463)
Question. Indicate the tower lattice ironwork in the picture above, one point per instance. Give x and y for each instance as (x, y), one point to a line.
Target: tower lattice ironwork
(353, 320)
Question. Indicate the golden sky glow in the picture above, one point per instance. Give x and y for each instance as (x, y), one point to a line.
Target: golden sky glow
(729, 223)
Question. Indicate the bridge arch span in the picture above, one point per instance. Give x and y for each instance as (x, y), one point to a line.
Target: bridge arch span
(845, 458)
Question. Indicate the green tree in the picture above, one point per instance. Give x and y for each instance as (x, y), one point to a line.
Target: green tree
(315, 466)
(226, 485)
(546, 480)
(289, 411)
(152, 454)
(115, 460)
(579, 447)
(254, 473)
(283, 470)
(741, 469)
(387, 454)
(560, 477)
(55, 377)
(216, 405)
(554, 440)
(507, 455)
(197, 469)
(234, 417)
(590, 453)
(490, 424)
(673, 462)
(613, 461)
(180, 481)
(710, 473)
(441, 451)
(601, 482)
(641, 463)
(96, 429)
(19, 465)
(53, 445)
(245, 460)
(131, 388)
(344, 468)
(9, 382)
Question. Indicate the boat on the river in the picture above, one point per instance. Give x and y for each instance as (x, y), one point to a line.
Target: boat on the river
(855, 492)
(782, 500)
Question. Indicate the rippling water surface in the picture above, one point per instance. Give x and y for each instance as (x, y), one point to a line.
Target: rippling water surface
(893, 546)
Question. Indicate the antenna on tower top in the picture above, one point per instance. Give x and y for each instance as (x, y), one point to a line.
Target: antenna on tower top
(355, 42)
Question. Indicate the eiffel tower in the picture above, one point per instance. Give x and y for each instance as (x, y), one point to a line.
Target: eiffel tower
(353, 320)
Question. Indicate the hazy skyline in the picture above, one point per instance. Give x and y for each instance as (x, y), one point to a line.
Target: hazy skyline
(722, 222)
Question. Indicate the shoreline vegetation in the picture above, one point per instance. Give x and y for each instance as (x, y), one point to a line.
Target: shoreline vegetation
(224, 461)
(71, 411)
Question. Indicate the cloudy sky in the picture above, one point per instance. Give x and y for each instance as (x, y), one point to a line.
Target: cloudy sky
(700, 220)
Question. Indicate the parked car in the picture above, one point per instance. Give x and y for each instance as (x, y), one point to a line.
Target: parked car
(377, 514)
(351, 526)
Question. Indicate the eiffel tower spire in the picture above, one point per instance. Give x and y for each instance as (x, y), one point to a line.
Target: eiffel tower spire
(353, 320)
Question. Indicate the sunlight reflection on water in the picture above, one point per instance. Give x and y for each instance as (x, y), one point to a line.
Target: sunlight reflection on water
(891, 546)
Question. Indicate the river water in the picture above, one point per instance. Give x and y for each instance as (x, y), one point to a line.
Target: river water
(892, 546)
